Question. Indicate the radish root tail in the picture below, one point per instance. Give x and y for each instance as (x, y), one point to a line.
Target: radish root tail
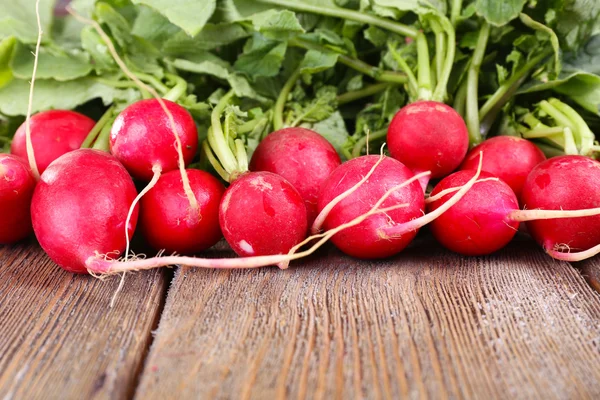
(111, 48)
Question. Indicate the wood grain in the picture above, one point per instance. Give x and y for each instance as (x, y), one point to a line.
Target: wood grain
(591, 271)
(426, 324)
(59, 339)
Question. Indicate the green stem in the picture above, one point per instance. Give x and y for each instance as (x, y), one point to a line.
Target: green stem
(455, 11)
(542, 133)
(360, 144)
(344, 13)
(423, 72)
(461, 98)
(367, 91)
(214, 162)
(282, 99)
(249, 126)
(91, 137)
(116, 84)
(355, 64)
(441, 90)
(219, 144)
(153, 81)
(440, 45)
(176, 91)
(241, 155)
(472, 105)
(509, 85)
(413, 85)
(103, 140)
(5, 139)
(584, 135)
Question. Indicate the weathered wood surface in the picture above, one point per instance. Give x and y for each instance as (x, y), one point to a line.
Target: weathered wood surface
(58, 337)
(426, 324)
(591, 272)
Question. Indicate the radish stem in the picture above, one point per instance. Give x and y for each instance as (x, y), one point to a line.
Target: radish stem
(282, 99)
(472, 99)
(91, 137)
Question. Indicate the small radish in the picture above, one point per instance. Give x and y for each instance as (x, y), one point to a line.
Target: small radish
(141, 137)
(507, 157)
(167, 221)
(79, 208)
(479, 223)
(389, 183)
(488, 216)
(53, 133)
(261, 213)
(565, 183)
(301, 156)
(16, 189)
(428, 135)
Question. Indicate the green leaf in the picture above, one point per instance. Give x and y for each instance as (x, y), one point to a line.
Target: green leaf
(52, 94)
(416, 6)
(154, 26)
(18, 19)
(261, 57)
(97, 49)
(316, 61)
(189, 15)
(549, 34)
(211, 37)
(276, 24)
(499, 12)
(209, 64)
(52, 64)
(333, 129)
(6, 50)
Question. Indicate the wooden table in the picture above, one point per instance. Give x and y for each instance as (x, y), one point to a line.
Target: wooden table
(425, 324)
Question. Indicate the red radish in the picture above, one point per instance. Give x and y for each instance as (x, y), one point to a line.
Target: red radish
(79, 208)
(303, 157)
(53, 133)
(142, 137)
(564, 183)
(428, 136)
(262, 214)
(16, 189)
(507, 157)
(480, 222)
(167, 221)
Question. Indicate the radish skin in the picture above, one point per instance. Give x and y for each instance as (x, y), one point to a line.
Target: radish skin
(301, 156)
(507, 157)
(53, 133)
(428, 136)
(17, 184)
(262, 214)
(79, 208)
(168, 223)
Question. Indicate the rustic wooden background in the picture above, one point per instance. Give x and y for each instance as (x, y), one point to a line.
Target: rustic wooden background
(424, 324)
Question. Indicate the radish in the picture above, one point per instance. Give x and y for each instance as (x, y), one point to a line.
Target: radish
(507, 157)
(565, 183)
(428, 135)
(79, 208)
(488, 216)
(301, 156)
(53, 133)
(385, 234)
(167, 221)
(141, 137)
(16, 189)
(261, 213)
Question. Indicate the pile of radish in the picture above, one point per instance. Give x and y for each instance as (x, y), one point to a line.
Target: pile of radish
(185, 158)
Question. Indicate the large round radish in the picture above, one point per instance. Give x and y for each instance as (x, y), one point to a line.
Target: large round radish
(16, 189)
(262, 214)
(141, 137)
(507, 157)
(79, 208)
(168, 222)
(564, 183)
(428, 136)
(53, 133)
(480, 223)
(365, 240)
(303, 157)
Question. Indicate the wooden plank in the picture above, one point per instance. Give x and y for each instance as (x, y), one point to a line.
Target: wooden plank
(591, 272)
(426, 324)
(59, 338)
